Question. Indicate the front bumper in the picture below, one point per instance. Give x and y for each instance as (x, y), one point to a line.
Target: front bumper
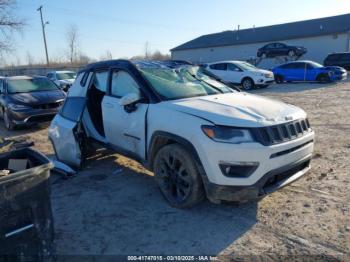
(264, 81)
(340, 77)
(268, 158)
(269, 183)
(32, 116)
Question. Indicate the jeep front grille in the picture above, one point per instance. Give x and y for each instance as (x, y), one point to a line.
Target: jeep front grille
(281, 133)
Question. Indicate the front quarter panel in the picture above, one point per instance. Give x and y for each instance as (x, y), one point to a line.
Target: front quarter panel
(186, 126)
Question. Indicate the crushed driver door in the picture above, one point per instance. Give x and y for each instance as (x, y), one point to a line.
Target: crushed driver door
(67, 133)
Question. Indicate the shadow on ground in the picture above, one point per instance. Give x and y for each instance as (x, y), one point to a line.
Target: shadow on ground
(20, 131)
(105, 210)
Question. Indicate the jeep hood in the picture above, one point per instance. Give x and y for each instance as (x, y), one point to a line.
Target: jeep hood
(238, 109)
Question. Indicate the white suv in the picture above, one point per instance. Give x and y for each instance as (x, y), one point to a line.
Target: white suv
(198, 136)
(242, 73)
(64, 79)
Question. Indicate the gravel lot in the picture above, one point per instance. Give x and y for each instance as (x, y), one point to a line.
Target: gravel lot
(109, 210)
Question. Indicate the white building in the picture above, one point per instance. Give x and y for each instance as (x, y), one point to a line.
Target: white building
(320, 36)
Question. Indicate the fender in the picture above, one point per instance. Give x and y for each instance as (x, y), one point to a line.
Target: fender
(161, 138)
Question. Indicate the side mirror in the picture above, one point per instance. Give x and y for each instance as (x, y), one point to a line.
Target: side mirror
(130, 99)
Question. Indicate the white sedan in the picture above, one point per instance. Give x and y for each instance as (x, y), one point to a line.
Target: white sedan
(242, 73)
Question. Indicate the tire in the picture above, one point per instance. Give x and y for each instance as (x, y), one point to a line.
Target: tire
(323, 78)
(177, 176)
(248, 83)
(8, 121)
(291, 53)
(279, 79)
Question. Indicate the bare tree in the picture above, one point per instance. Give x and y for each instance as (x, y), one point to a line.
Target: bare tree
(147, 50)
(9, 24)
(73, 42)
(30, 59)
(106, 56)
(157, 55)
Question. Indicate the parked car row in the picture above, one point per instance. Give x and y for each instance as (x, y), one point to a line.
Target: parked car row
(248, 76)
(26, 100)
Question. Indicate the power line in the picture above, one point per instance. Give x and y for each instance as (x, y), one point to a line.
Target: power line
(101, 38)
(82, 13)
(44, 36)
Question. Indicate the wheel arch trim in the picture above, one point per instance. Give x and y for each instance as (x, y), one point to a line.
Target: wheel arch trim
(155, 145)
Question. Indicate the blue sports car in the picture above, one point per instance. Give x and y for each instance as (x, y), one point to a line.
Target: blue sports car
(308, 71)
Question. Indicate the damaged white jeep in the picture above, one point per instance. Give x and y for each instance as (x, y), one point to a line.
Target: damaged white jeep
(200, 137)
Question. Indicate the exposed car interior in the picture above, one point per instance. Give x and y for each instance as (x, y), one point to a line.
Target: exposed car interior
(95, 94)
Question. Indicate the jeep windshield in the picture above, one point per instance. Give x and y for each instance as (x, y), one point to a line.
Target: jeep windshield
(30, 85)
(183, 82)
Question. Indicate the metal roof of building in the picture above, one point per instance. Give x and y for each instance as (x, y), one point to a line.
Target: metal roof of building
(307, 28)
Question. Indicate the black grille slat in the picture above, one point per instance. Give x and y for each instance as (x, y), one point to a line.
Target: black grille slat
(265, 135)
(276, 134)
(303, 125)
(299, 129)
(292, 130)
(307, 123)
(283, 132)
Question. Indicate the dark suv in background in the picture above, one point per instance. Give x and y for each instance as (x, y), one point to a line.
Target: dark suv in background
(280, 49)
(338, 59)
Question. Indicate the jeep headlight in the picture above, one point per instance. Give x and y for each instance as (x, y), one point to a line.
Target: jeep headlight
(228, 134)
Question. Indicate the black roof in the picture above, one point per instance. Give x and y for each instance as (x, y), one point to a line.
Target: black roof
(308, 28)
(137, 63)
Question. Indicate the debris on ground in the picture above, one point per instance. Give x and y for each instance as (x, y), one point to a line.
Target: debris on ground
(5, 172)
(7, 145)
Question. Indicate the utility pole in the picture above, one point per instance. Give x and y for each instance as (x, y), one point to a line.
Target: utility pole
(44, 36)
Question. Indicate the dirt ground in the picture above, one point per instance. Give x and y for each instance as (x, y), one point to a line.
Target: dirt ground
(108, 210)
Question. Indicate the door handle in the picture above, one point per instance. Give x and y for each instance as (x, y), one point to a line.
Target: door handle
(109, 105)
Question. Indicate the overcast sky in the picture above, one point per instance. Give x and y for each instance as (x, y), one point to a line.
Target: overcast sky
(124, 26)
